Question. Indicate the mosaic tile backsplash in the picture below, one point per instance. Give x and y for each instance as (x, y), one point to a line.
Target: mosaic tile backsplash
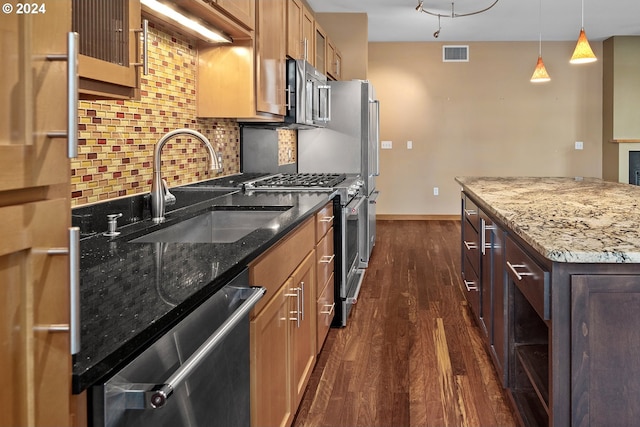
(117, 138)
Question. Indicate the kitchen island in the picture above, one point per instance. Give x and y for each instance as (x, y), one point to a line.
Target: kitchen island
(551, 268)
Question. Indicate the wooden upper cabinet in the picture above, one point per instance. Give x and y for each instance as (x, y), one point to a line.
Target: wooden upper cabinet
(334, 60)
(320, 37)
(308, 27)
(242, 10)
(300, 27)
(271, 57)
(109, 47)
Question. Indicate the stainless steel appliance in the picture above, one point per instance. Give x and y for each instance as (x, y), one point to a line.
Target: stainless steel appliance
(348, 144)
(197, 374)
(308, 96)
(350, 210)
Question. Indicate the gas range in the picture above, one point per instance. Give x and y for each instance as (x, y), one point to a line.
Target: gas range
(347, 186)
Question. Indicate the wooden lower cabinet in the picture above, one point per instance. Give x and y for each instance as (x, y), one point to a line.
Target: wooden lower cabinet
(303, 328)
(270, 363)
(283, 327)
(35, 359)
(605, 366)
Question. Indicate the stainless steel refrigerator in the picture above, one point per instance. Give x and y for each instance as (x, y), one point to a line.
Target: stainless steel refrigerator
(348, 144)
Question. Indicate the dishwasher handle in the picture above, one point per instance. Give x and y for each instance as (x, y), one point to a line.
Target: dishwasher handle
(157, 397)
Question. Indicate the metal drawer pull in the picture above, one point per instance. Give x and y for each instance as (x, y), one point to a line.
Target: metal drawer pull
(513, 267)
(470, 285)
(330, 307)
(72, 95)
(327, 259)
(74, 290)
(159, 395)
(470, 245)
(327, 219)
(470, 212)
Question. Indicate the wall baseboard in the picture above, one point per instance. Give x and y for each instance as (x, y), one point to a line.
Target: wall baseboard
(393, 217)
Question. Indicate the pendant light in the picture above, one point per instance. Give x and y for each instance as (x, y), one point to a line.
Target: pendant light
(582, 53)
(540, 74)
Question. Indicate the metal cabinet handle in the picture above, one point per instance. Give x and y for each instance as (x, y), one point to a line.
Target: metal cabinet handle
(326, 259)
(305, 44)
(330, 307)
(470, 245)
(470, 212)
(74, 290)
(301, 301)
(158, 397)
(327, 219)
(470, 285)
(518, 275)
(72, 95)
(145, 47)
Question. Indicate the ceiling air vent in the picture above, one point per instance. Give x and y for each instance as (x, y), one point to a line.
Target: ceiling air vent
(455, 53)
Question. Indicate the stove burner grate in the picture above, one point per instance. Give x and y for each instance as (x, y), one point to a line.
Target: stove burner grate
(310, 180)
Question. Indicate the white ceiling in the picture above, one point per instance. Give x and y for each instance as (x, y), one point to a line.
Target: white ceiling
(508, 20)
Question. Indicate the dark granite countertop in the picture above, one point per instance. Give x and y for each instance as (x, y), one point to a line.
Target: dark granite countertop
(133, 292)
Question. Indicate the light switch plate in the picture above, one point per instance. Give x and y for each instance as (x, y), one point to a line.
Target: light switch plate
(409, 145)
(387, 145)
(579, 145)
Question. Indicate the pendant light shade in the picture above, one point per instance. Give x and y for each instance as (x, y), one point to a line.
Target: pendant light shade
(540, 74)
(583, 52)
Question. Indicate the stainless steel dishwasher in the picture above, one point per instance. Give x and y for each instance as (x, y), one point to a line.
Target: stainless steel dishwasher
(197, 374)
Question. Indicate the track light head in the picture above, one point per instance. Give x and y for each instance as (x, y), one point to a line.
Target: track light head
(419, 6)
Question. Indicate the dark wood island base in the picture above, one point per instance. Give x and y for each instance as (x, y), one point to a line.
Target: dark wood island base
(551, 268)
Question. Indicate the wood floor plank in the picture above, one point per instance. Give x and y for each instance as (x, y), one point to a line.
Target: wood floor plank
(410, 355)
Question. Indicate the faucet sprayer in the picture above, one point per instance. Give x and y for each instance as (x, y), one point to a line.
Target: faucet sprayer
(159, 189)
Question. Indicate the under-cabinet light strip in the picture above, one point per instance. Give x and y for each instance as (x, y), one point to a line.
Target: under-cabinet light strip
(185, 21)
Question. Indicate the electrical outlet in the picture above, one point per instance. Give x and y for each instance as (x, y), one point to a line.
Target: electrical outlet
(387, 145)
(409, 145)
(579, 145)
(436, 191)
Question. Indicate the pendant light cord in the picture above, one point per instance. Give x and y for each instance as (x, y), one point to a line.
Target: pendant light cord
(582, 22)
(540, 28)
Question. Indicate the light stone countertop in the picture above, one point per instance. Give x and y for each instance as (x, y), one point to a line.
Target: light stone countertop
(565, 219)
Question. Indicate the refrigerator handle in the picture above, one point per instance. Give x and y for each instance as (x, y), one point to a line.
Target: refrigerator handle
(376, 123)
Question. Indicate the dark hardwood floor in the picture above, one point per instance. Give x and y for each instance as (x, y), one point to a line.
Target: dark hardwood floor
(411, 355)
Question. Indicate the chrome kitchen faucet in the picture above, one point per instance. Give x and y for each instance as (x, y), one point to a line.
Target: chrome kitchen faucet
(159, 189)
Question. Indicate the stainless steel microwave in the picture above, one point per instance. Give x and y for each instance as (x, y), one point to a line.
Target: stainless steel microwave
(308, 96)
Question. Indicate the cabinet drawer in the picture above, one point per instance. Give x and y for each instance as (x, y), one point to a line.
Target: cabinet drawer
(325, 259)
(471, 246)
(471, 213)
(471, 283)
(532, 280)
(272, 268)
(324, 220)
(326, 309)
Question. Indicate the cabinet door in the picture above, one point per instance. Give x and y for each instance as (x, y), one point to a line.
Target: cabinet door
(605, 367)
(243, 10)
(303, 335)
(270, 363)
(308, 28)
(109, 47)
(35, 362)
(294, 29)
(331, 57)
(321, 49)
(271, 57)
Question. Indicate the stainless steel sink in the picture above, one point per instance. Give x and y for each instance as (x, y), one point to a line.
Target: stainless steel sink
(216, 226)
